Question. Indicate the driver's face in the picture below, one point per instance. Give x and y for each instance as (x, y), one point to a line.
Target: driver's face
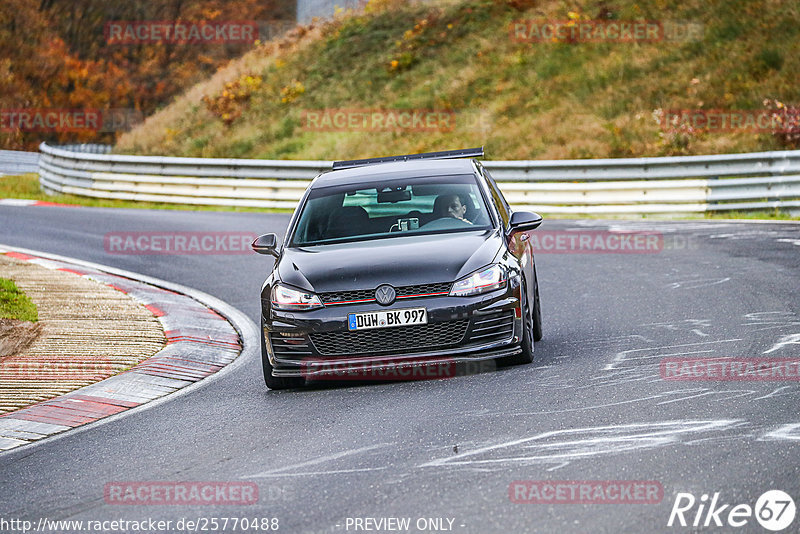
(456, 209)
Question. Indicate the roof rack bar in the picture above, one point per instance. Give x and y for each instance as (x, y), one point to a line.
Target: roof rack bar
(446, 154)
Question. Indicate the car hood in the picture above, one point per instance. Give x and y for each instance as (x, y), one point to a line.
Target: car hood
(399, 261)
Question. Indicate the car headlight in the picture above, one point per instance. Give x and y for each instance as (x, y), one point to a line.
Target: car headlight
(286, 298)
(482, 281)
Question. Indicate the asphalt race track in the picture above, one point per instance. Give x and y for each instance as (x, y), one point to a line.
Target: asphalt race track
(593, 407)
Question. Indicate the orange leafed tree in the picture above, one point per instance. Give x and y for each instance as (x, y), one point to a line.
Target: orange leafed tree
(56, 55)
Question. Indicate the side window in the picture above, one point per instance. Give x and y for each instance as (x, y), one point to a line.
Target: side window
(502, 206)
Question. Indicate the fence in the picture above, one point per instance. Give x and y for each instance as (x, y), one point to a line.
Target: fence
(687, 184)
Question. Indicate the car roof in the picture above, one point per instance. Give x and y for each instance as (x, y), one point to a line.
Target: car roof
(395, 170)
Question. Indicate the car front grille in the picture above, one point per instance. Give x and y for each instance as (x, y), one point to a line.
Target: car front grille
(368, 295)
(497, 326)
(423, 290)
(391, 340)
(343, 297)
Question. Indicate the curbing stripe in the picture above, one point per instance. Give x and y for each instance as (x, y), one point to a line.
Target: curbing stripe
(29, 202)
(17, 202)
(204, 342)
(19, 256)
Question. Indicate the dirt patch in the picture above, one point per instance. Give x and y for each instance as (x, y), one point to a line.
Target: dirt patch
(16, 336)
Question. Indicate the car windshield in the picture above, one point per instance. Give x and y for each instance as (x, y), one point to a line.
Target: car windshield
(391, 208)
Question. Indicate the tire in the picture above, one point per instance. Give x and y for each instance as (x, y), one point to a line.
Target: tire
(537, 311)
(526, 356)
(276, 382)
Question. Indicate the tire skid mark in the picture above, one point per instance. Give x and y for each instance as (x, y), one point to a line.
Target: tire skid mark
(321, 460)
(622, 357)
(790, 432)
(561, 446)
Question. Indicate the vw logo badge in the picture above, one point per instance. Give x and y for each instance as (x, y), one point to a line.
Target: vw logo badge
(385, 295)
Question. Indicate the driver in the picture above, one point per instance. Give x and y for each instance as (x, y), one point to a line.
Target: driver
(453, 206)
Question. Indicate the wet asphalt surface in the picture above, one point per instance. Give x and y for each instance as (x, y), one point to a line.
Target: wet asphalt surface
(594, 406)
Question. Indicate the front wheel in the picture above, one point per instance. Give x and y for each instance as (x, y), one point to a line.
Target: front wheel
(526, 356)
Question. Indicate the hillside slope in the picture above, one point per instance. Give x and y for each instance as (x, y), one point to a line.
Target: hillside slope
(521, 99)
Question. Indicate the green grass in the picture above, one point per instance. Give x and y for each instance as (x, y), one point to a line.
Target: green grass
(26, 186)
(770, 215)
(533, 100)
(14, 304)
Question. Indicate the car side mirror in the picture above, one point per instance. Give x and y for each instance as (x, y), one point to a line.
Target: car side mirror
(266, 244)
(524, 220)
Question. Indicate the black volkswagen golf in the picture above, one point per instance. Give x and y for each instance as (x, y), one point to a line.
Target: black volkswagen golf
(399, 263)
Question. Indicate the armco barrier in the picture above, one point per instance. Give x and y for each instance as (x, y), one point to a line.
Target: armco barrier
(16, 162)
(605, 186)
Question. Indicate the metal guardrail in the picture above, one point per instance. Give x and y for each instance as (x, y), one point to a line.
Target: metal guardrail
(16, 162)
(604, 186)
(87, 148)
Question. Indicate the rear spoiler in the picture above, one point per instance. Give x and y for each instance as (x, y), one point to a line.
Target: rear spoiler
(446, 154)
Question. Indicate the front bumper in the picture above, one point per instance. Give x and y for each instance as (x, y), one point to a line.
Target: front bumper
(460, 329)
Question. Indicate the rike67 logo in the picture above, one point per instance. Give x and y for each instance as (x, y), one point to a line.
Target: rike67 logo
(774, 510)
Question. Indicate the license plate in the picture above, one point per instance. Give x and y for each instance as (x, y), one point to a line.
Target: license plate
(387, 319)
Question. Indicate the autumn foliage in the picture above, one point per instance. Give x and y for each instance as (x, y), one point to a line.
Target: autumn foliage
(54, 54)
